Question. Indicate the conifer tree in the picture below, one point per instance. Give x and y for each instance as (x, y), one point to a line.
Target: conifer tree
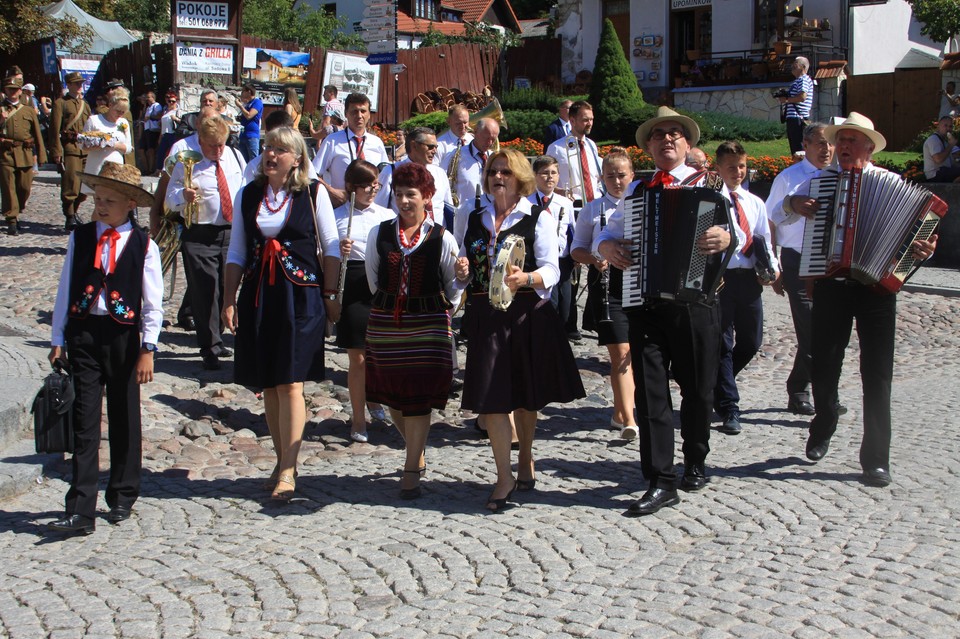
(614, 93)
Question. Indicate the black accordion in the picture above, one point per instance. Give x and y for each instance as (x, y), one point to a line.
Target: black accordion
(864, 226)
(663, 225)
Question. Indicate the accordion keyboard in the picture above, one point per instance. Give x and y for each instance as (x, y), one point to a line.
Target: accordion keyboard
(817, 232)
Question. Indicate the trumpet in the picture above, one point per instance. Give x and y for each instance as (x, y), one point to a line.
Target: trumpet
(171, 224)
(573, 160)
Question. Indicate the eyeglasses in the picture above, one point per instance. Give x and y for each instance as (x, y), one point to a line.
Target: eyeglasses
(276, 150)
(369, 188)
(503, 172)
(673, 134)
(429, 146)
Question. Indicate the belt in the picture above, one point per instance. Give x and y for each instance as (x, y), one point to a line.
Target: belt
(12, 142)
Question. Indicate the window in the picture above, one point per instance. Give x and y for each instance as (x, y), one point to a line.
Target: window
(426, 9)
(774, 19)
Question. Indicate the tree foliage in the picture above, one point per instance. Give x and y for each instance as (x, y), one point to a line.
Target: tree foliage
(476, 33)
(530, 9)
(22, 21)
(940, 19)
(614, 90)
(293, 21)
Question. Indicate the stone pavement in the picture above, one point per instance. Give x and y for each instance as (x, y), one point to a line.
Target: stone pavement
(774, 547)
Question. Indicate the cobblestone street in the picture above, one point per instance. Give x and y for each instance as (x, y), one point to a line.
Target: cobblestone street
(775, 546)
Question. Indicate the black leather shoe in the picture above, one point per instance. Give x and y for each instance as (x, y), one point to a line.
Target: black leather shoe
(70, 223)
(841, 409)
(816, 450)
(878, 477)
(12, 228)
(694, 476)
(211, 362)
(186, 323)
(731, 425)
(575, 336)
(118, 514)
(652, 501)
(74, 524)
(801, 407)
(222, 351)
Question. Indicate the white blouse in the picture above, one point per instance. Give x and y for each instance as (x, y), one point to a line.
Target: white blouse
(364, 221)
(96, 157)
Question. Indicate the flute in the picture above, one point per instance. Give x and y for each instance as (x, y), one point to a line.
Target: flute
(343, 258)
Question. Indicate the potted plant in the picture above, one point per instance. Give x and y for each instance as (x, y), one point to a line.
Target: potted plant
(782, 47)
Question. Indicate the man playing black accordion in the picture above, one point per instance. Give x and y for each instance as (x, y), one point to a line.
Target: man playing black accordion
(667, 336)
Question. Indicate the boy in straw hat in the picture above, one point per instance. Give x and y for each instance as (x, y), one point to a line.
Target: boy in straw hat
(837, 302)
(108, 315)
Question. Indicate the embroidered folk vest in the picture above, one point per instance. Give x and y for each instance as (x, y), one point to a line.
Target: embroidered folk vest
(477, 240)
(124, 286)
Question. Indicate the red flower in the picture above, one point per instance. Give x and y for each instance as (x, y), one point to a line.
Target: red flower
(284, 253)
(300, 274)
(74, 309)
(130, 314)
(114, 295)
(89, 288)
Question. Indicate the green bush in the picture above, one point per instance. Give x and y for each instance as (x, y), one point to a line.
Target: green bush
(436, 121)
(526, 124)
(725, 126)
(528, 100)
(614, 89)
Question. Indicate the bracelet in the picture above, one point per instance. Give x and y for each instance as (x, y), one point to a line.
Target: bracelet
(329, 296)
(529, 280)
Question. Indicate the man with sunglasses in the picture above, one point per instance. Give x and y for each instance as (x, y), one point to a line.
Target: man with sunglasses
(421, 149)
(669, 337)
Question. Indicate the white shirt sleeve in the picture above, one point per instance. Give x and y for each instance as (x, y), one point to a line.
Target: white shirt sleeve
(237, 251)
(59, 319)
(151, 312)
(546, 253)
(327, 223)
(372, 263)
(448, 263)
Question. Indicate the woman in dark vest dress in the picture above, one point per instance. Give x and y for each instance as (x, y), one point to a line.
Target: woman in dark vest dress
(361, 181)
(518, 360)
(411, 267)
(280, 316)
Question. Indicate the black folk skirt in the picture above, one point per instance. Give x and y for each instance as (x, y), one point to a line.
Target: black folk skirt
(355, 312)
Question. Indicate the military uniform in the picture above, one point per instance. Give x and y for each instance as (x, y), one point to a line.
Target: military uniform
(21, 143)
(66, 121)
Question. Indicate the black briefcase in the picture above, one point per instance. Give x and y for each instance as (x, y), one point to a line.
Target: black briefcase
(53, 413)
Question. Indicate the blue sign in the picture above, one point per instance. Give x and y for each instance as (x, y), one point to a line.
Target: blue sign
(382, 58)
(49, 57)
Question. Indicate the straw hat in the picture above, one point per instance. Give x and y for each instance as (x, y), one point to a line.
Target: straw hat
(12, 82)
(857, 122)
(123, 178)
(73, 76)
(665, 114)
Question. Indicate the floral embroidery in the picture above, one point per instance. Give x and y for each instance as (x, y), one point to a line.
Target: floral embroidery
(119, 308)
(478, 252)
(86, 299)
(293, 269)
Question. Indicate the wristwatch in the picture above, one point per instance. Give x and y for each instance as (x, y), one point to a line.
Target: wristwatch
(150, 348)
(330, 296)
(529, 280)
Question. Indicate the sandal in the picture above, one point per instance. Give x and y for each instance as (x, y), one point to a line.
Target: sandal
(271, 482)
(500, 504)
(411, 493)
(287, 494)
(525, 485)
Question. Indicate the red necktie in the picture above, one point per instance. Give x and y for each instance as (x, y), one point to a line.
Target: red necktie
(226, 204)
(546, 203)
(359, 142)
(110, 236)
(742, 221)
(660, 178)
(585, 174)
(483, 161)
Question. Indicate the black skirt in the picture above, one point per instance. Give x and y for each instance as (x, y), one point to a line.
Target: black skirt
(280, 333)
(355, 313)
(615, 331)
(517, 358)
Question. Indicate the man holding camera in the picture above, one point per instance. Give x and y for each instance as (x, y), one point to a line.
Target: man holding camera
(797, 103)
(938, 164)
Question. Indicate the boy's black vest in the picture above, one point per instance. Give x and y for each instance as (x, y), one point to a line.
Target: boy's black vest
(477, 238)
(297, 254)
(425, 285)
(124, 286)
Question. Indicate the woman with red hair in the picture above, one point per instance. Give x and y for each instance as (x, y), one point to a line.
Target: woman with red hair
(411, 268)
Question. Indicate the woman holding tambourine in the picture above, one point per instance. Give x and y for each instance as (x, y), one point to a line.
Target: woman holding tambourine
(518, 358)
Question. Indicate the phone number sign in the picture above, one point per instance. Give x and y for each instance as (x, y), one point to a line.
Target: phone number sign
(202, 15)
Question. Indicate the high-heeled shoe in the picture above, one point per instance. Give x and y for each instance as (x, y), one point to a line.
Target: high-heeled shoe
(501, 503)
(271, 482)
(287, 493)
(525, 485)
(412, 493)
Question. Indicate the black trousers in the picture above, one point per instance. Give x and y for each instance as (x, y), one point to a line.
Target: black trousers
(836, 304)
(741, 333)
(684, 339)
(795, 134)
(562, 295)
(204, 258)
(103, 352)
(801, 308)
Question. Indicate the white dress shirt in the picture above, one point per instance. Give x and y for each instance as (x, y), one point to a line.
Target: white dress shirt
(250, 173)
(588, 222)
(789, 233)
(205, 181)
(440, 197)
(96, 156)
(271, 223)
(558, 151)
(469, 173)
(364, 220)
(756, 213)
(448, 262)
(447, 143)
(338, 150)
(151, 307)
(546, 248)
(561, 208)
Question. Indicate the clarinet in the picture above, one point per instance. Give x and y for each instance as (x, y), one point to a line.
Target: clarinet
(604, 277)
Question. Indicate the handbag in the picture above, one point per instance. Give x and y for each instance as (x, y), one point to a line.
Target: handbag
(53, 412)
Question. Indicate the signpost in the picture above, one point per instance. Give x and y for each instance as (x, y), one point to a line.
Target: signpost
(379, 30)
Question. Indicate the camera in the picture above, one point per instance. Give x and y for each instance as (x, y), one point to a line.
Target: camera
(781, 93)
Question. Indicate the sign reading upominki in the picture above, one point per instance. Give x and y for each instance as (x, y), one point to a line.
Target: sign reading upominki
(202, 15)
(205, 58)
(689, 4)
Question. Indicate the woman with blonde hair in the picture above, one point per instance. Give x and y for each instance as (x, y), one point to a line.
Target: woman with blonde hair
(107, 136)
(281, 312)
(291, 104)
(518, 359)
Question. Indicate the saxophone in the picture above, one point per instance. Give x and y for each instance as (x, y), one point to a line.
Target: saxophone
(452, 172)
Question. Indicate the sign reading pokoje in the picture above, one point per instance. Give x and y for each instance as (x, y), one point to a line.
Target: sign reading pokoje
(192, 14)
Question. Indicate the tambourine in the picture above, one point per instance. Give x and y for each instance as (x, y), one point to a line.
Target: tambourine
(512, 252)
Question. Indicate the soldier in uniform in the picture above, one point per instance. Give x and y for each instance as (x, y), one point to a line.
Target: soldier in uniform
(20, 140)
(69, 115)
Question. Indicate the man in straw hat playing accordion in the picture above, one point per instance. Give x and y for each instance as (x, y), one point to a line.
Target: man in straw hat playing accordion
(837, 302)
(670, 337)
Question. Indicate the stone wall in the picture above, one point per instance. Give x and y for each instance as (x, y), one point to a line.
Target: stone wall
(752, 102)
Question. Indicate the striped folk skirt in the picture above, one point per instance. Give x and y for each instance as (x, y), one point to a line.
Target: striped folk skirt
(409, 365)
